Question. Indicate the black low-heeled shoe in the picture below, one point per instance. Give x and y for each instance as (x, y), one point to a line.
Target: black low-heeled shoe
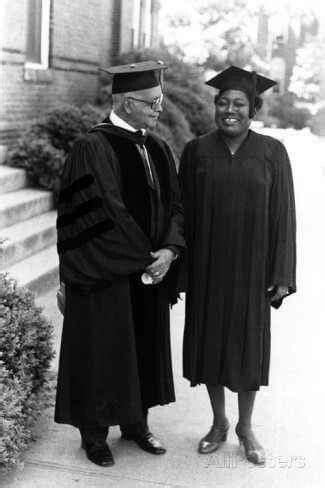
(254, 452)
(148, 442)
(214, 438)
(98, 452)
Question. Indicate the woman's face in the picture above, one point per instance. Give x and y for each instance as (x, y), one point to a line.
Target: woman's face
(232, 113)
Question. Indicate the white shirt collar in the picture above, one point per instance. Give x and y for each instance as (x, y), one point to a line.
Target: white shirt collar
(116, 120)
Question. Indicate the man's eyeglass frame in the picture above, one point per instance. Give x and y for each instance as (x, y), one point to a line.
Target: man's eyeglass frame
(154, 104)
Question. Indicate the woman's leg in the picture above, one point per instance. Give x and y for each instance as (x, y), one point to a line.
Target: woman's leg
(218, 432)
(217, 399)
(246, 400)
(253, 450)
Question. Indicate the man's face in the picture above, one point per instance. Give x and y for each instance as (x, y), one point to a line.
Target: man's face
(141, 114)
(232, 113)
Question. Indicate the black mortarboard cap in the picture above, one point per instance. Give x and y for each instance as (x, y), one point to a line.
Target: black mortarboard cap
(136, 76)
(234, 78)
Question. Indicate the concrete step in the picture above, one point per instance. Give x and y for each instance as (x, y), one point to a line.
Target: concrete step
(20, 205)
(12, 179)
(26, 238)
(39, 272)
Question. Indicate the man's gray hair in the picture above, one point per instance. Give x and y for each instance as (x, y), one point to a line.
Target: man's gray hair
(118, 100)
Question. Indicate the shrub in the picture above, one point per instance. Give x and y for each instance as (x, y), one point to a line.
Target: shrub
(43, 148)
(283, 108)
(92, 114)
(42, 161)
(173, 118)
(64, 124)
(26, 352)
(13, 436)
(317, 123)
(165, 132)
(198, 112)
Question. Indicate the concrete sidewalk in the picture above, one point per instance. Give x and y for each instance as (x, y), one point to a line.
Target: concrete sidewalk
(289, 415)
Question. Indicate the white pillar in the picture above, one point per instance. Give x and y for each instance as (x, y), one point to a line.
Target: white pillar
(319, 121)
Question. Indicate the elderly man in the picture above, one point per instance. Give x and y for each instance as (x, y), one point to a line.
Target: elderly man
(120, 227)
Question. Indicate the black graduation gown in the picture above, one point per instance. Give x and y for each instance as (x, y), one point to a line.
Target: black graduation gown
(115, 356)
(240, 233)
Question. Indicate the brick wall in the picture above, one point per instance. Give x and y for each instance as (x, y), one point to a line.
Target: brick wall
(81, 39)
(85, 34)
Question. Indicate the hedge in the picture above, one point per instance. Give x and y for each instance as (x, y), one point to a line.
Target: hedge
(26, 352)
(282, 112)
(42, 161)
(174, 119)
(317, 122)
(43, 148)
(196, 109)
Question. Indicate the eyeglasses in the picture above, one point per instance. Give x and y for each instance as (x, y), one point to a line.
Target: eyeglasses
(154, 104)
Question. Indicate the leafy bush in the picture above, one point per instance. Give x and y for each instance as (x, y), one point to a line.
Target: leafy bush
(173, 118)
(43, 148)
(317, 123)
(42, 161)
(26, 352)
(198, 112)
(165, 133)
(284, 110)
(64, 124)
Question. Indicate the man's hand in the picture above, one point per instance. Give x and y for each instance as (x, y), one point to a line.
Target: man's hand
(60, 298)
(159, 268)
(281, 291)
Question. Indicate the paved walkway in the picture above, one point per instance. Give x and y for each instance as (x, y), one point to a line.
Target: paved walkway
(289, 416)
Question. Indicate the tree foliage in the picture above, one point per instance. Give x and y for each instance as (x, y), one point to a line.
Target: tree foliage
(305, 80)
(214, 33)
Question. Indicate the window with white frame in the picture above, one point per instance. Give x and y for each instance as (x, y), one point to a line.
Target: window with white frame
(38, 34)
(147, 24)
(136, 23)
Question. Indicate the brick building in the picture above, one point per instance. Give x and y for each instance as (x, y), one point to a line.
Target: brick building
(51, 51)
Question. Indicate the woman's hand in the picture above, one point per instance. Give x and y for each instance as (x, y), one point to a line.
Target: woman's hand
(280, 292)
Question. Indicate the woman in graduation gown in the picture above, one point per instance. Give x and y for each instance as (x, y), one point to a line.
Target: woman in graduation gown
(240, 232)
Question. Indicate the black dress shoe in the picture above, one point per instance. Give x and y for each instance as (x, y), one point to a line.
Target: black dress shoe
(214, 438)
(254, 452)
(98, 452)
(148, 442)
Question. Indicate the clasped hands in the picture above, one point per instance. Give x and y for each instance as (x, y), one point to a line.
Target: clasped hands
(158, 269)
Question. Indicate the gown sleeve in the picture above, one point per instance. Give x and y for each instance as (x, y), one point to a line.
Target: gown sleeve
(98, 240)
(187, 189)
(282, 243)
(174, 237)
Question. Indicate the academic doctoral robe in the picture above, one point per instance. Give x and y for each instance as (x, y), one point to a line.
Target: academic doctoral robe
(115, 356)
(240, 232)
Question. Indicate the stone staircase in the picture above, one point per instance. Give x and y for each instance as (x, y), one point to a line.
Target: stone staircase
(27, 232)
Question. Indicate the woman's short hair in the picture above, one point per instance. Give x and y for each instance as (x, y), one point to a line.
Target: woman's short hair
(258, 103)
